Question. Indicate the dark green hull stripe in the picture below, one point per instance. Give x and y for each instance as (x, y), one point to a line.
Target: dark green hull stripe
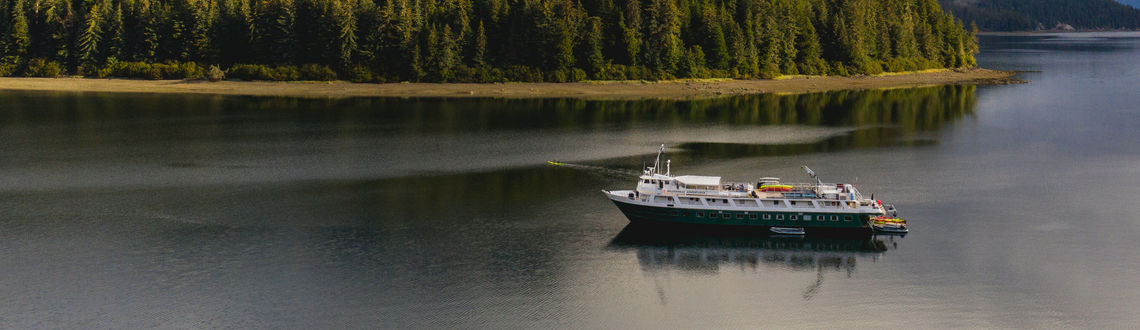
(649, 214)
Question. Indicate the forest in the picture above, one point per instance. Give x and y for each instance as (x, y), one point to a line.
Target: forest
(1030, 15)
(476, 40)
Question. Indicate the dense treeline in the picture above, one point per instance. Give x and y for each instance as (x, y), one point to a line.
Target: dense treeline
(477, 40)
(1029, 15)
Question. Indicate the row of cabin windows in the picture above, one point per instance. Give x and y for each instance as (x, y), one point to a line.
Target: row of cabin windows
(682, 185)
(769, 216)
(773, 202)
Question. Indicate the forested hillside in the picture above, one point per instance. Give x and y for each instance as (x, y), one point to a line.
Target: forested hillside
(478, 40)
(1029, 15)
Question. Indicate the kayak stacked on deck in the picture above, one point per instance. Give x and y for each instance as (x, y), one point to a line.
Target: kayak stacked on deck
(890, 222)
(788, 208)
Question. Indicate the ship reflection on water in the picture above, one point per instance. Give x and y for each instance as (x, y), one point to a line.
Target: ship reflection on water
(663, 251)
(706, 252)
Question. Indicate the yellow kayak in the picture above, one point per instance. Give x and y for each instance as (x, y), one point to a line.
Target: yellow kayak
(777, 187)
(888, 220)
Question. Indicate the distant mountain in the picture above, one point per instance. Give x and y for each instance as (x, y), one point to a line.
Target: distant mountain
(1034, 15)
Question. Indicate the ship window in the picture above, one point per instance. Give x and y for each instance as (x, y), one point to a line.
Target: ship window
(794, 217)
(700, 214)
(779, 217)
(793, 202)
(847, 218)
(739, 216)
(752, 216)
(712, 215)
(646, 181)
(674, 213)
(834, 218)
(807, 218)
(767, 217)
(684, 214)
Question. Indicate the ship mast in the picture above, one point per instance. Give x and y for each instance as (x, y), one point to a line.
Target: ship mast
(657, 163)
(811, 173)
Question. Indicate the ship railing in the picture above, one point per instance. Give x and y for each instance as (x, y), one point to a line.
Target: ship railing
(756, 203)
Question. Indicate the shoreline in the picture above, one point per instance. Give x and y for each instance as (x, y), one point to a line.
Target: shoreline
(673, 89)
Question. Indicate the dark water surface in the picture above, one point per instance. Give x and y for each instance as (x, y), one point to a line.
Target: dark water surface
(127, 211)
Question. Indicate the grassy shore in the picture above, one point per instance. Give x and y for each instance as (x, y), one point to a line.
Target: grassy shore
(676, 89)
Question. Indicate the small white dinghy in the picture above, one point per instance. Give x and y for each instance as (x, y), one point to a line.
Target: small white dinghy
(787, 230)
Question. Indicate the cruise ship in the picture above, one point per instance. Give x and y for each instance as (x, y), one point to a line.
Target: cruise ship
(767, 203)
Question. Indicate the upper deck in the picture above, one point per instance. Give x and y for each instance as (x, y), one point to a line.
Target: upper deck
(766, 188)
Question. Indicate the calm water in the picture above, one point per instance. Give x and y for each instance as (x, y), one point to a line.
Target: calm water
(126, 211)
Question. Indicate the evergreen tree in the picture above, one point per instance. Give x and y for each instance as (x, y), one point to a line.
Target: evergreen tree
(18, 38)
(51, 30)
(344, 41)
(201, 18)
(368, 32)
(309, 28)
(149, 42)
(114, 34)
(5, 27)
(592, 45)
(713, 39)
(663, 32)
(631, 31)
(272, 27)
(90, 36)
(232, 33)
(693, 64)
(479, 46)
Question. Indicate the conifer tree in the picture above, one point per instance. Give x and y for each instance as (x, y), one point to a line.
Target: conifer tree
(90, 36)
(479, 46)
(631, 31)
(5, 27)
(344, 40)
(272, 31)
(18, 36)
(201, 19)
(592, 45)
(52, 35)
(149, 43)
(713, 39)
(114, 34)
(232, 36)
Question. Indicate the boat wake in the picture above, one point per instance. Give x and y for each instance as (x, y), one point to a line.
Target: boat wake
(596, 169)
